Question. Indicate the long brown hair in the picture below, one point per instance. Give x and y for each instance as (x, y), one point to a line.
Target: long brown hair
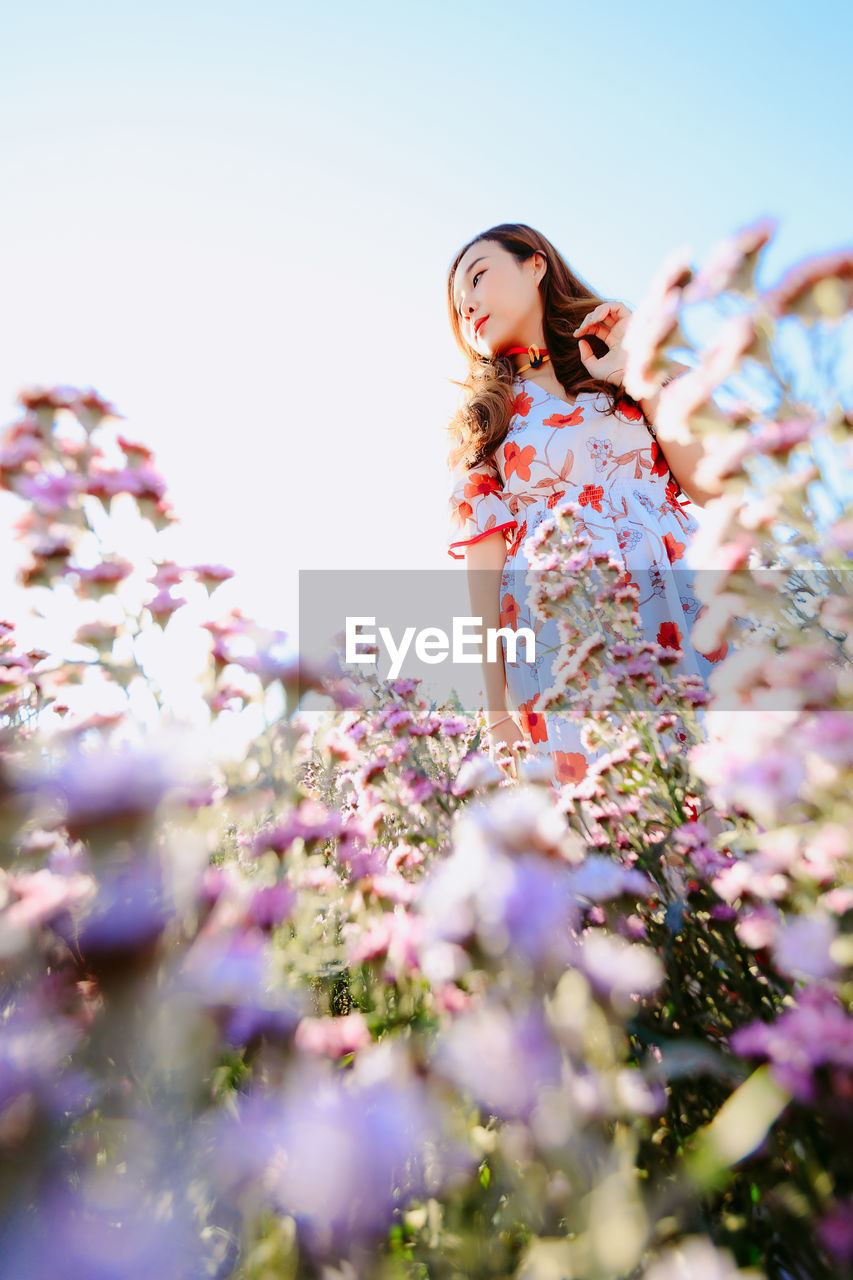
(480, 425)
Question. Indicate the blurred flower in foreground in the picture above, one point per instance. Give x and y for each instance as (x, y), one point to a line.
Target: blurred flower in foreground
(232, 977)
(815, 1033)
(110, 792)
(108, 1226)
(337, 1152)
(696, 1259)
(502, 1058)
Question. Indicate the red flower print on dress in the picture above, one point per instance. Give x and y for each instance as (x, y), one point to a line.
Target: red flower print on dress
(556, 496)
(675, 550)
(660, 466)
(629, 409)
(480, 482)
(521, 404)
(464, 511)
(675, 494)
(518, 460)
(517, 539)
(532, 722)
(569, 766)
(509, 611)
(591, 495)
(669, 635)
(564, 419)
(678, 503)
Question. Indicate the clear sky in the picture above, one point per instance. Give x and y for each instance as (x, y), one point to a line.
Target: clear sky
(234, 221)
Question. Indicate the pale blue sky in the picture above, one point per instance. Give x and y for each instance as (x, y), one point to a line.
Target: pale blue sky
(235, 222)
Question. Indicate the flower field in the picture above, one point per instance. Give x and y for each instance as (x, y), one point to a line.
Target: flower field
(362, 1003)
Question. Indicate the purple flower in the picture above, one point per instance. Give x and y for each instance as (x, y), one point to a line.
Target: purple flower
(523, 903)
(310, 822)
(763, 786)
(34, 1049)
(404, 687)
(600, 877)
(109, 1225)
(417, 787)
(836, 1231)
(801, 948)
(830, 735)
(816, 1032)
(361, 858)
(454, 726)
(619, 969)
(50, 493)
(502, 1059)
(108, 791)
(127, 915)
(337, 1152)
(271, 905)
(394, 718)
(232, 977)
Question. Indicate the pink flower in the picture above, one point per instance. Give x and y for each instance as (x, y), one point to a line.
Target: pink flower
(38, 896)
(310, 822)
(49, 493)
(830, 733)
(163, 605)
(333, 1037)
(210, 575)
(654, 324)
(758, 927)
(820, 288)
(731, 265)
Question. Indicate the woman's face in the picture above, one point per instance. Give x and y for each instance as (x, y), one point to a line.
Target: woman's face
(498, 299)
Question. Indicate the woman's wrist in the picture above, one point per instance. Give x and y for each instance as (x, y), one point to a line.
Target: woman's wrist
(495, 723)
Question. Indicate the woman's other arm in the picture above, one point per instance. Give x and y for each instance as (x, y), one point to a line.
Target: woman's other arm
(485, 560)
(682, 459)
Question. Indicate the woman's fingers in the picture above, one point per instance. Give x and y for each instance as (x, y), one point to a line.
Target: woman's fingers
(590, 321)
(597, 318)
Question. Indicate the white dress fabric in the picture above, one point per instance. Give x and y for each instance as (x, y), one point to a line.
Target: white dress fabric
(610, 465)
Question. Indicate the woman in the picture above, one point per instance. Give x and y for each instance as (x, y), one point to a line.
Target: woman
(546, 421)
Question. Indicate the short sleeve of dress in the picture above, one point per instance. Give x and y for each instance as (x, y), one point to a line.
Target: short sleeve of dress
(476, 506)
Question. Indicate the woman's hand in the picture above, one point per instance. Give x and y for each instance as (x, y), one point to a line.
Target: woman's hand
(508, 732)
(608, 322)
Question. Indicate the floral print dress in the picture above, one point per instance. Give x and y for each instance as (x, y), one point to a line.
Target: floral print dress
(613, 468)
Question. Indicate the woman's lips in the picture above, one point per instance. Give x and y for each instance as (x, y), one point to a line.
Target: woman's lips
(478, 326)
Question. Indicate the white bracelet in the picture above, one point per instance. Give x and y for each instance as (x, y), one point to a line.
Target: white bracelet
(490, 727)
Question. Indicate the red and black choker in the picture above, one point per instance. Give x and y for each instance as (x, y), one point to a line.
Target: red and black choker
(538, 356)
